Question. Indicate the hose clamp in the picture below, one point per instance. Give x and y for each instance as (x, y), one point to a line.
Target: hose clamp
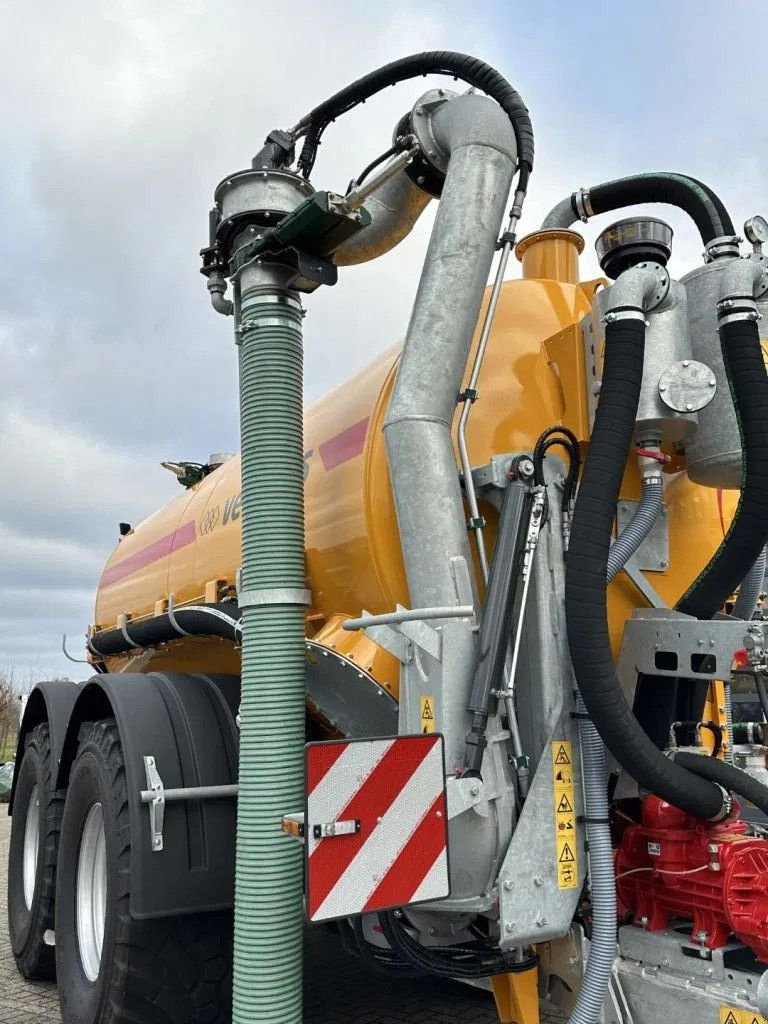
(273, 595)
(722, 246)
(172, 617)
(121, 623)
(727, 809)
(265, 321)
(624, 313)
(736, 308)
(582, 205)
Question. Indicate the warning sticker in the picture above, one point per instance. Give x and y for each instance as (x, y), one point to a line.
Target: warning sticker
(427, 706)
(732, 1015)
(565, 815)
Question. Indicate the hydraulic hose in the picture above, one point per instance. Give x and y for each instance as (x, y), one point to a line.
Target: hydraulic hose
(602, 882)
(751, 588)
(639, 526)
(586, 577)
(748, 533)
(434, 62)
(699, 201)
(222, 620)
(727, 776)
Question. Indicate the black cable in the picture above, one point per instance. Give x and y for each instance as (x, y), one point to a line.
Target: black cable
(471, 961)
(382, 962)
(435, 62)
(373, 165)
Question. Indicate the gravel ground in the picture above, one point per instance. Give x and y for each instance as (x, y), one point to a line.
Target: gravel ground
(337, 990)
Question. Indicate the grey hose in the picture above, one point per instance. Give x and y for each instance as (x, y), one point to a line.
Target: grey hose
(602, 949)
(751, 589)
(638, 528)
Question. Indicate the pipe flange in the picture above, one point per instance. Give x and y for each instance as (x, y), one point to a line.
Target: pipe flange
(724, 246)
(421, 124)
(687, 386)
(662, 287)
(762, 285)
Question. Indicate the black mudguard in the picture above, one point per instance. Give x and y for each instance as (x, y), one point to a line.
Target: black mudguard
(50, 702)
(188, 724)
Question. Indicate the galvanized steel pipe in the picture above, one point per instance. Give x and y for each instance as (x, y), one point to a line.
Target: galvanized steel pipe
(478, 138)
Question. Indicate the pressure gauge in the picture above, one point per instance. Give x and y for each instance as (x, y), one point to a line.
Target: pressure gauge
(756, 230)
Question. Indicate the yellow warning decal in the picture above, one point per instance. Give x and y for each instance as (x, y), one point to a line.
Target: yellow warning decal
(565, 815)
(732, 1015)
(427, 706)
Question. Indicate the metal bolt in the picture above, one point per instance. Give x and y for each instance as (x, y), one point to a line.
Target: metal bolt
(538, 881)
(701, 936)
(712, 382)
(475, 790)
(433, 932)
(665, 962)
(662, 387)
(508, 885)
(610, 317)
(508, 928)
(689, 406)
(541, 921)
(686, 362)
(419, 111)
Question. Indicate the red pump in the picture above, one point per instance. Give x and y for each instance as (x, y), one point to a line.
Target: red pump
(676, 866)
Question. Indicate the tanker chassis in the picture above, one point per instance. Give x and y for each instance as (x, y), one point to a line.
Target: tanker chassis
(451, 662)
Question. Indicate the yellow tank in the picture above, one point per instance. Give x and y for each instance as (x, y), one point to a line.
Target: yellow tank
(532, 377)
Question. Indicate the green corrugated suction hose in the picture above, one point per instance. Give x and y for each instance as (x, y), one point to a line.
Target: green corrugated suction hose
(269, 864)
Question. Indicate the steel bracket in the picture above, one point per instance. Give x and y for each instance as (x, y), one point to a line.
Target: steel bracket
(157, 806)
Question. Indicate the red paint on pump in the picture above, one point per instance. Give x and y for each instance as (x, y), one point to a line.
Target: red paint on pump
(676, 866)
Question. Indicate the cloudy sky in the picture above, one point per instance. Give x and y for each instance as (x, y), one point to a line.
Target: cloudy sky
(118, 119)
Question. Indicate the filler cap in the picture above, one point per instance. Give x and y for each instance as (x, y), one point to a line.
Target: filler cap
(632, 241)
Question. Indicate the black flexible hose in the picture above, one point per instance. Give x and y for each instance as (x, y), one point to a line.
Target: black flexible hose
(727, 776)
(195, 620)
(748, 533)
(696, 199)
(586, 586)
(761, 693)
(433, 62)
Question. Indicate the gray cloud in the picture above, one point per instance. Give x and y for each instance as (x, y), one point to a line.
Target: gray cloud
(116, 122)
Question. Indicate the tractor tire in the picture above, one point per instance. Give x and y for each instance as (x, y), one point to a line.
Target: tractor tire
(112, 969)
(36, 824)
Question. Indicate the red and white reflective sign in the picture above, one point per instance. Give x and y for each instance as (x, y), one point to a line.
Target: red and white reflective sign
(376, 827)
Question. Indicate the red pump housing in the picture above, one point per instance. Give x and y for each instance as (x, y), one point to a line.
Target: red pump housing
(675, 866)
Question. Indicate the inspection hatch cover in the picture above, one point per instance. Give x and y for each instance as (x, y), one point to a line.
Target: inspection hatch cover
(376, 825)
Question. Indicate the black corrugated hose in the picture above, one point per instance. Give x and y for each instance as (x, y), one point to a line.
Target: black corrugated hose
(433, 62)
(727, 776)
(586, 586)
(695, 198)
(193, 620)
(748, 533)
